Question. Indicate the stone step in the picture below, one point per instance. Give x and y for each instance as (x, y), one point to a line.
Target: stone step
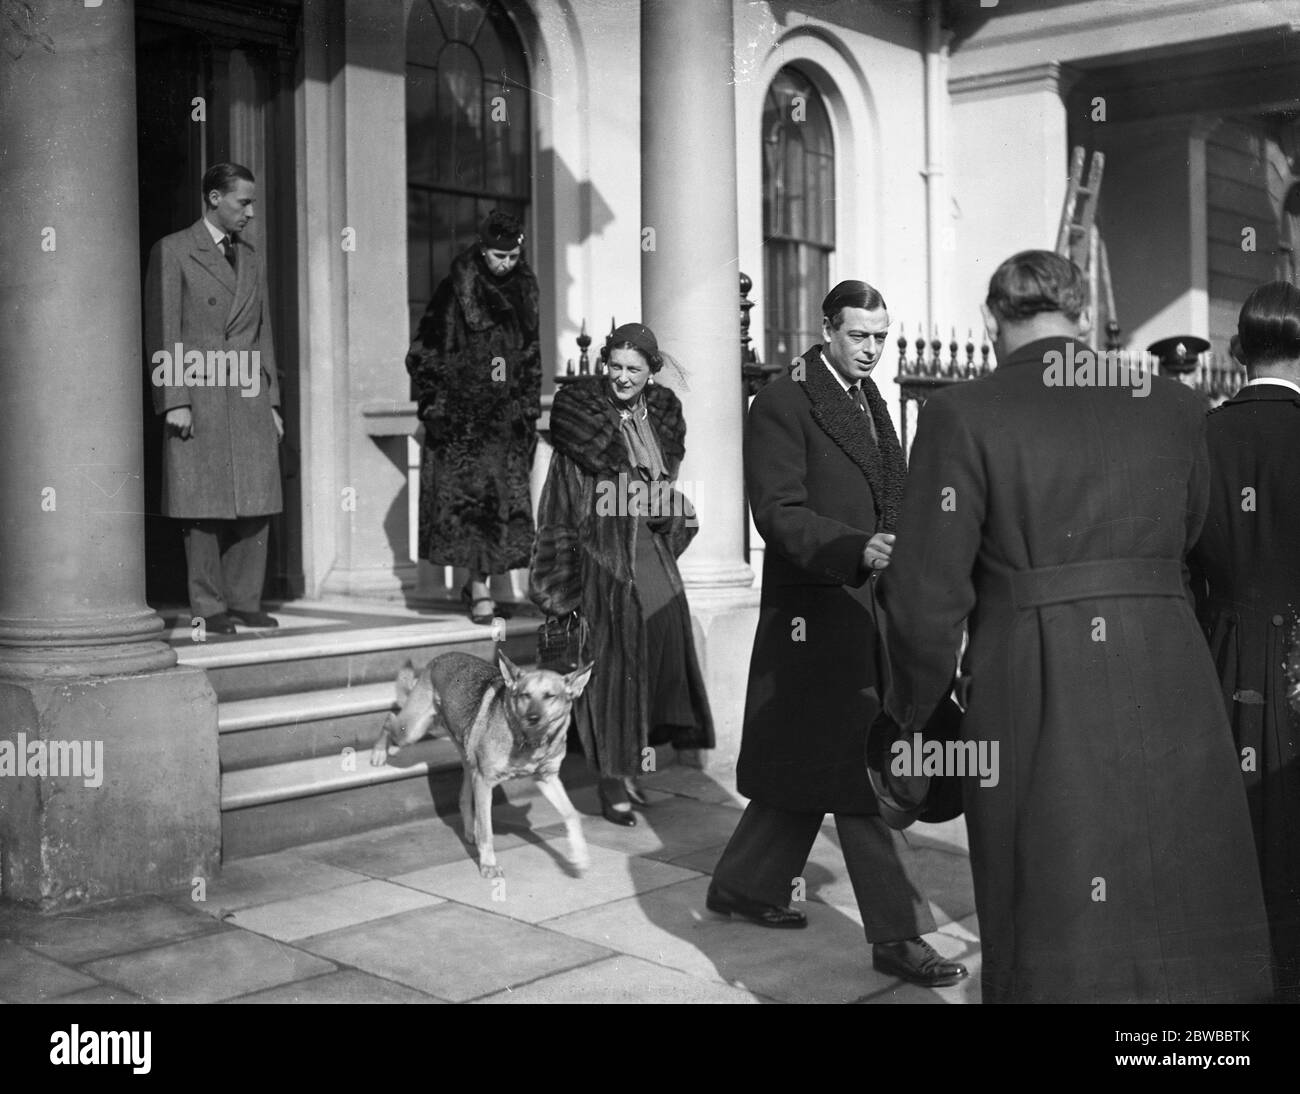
(284, 664)
(282, 805)
(276, 729)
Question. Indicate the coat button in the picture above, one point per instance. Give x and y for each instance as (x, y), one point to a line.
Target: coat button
(1277, 620)
(212, 300)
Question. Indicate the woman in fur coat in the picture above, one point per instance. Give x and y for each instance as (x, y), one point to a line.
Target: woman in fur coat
(610, 528)
(476, 373)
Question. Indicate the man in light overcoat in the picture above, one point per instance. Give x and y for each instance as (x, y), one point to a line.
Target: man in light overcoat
(214, 381)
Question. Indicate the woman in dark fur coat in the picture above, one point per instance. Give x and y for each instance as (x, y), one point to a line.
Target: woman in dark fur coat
(609, 530)
(476, 372)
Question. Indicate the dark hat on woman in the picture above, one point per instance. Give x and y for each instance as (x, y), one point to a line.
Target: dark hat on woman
(640, 337)
(501, 231)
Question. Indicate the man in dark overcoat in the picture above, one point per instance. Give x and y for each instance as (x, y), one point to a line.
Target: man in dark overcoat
(1248, 558)
(214, 381)
(824, 471)
(1049, 508)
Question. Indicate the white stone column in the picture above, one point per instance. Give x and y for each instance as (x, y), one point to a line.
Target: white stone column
(1009, 171)
(84, 673)
(689, 266)
(689, 278)
(355, 320)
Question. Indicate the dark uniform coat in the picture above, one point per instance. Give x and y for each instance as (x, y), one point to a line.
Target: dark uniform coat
(1113, 859)
(1249, 601)
(585, 558)
(230, 466)
(819, 489)
(476, 373)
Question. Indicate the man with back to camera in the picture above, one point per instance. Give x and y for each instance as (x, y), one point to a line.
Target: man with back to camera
(1249, 596)
(1112, 858)
(205, 293)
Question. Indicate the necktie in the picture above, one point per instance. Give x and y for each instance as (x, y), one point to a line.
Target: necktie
(861, 400)
(228, 249)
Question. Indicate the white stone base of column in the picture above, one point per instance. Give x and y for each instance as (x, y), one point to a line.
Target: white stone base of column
(135, 805)
(724, 621)
(375, 582)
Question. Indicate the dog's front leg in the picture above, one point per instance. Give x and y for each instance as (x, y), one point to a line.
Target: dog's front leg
(487, 857)
(379, 750)
(554, 792)
(467, 802)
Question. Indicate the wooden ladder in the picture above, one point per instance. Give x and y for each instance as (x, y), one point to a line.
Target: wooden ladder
(1079, 240)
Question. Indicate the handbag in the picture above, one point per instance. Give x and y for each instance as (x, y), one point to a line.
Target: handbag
(562, 643)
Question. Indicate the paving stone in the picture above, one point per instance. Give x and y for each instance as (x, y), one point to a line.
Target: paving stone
(719, 788)
(27, 977)
(942, 876)
(319, 913)
(102, 993)
(207, 969)
(453, 952)
(623, 980)
(704, 860)
(419, 844)
(670, 828)
(345, 986)
(78, 936)
(538, 885)
(829, 962)
(279, 876)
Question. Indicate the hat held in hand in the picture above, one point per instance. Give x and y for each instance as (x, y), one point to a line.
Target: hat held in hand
(909, 797)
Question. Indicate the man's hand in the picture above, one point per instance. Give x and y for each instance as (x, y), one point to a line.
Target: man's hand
(180, 422)
(279, 424)
(875, 555)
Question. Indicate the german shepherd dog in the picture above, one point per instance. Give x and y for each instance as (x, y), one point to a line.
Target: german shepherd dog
(505, 724)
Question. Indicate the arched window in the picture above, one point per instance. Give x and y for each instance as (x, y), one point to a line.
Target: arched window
(467, 132)
(798, 213)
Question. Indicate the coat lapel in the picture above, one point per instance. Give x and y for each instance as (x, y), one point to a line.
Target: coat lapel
(246, 282)
(840, 419)
(209, 256)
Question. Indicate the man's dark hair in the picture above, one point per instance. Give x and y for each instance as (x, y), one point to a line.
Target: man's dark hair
(1033, 282)
(850, 294)
(1269, 324)
(222, 177)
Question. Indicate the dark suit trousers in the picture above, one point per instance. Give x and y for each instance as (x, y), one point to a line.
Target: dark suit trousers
(226, 561)
(770, 848)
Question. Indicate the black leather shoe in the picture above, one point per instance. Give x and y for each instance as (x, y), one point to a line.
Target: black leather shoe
(915, 961)
(765, 915)
(257, 619)
(221, 623)
(623, 817)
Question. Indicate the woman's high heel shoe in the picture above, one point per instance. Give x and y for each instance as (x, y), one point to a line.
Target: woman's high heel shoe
(472, 603)
(623, 817)
(635, 794)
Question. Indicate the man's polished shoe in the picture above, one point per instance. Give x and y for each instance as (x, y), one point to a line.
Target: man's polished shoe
(722, 902)
(914, 960)
(221, 623)
(254, 619)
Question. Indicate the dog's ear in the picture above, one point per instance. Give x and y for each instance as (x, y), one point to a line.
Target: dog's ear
(406, 677)
(576, 681)
(509, 670)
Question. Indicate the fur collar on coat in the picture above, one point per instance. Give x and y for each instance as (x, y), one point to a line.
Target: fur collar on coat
(585, 426)
(840, 419)
(486, 301)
